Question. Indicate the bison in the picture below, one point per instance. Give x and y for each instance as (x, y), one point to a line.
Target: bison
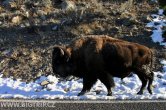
(103, 57)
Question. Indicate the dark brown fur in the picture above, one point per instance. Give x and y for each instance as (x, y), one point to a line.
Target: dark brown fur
(103, 57)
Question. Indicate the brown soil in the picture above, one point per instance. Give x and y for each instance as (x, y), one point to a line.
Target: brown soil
(30, 30)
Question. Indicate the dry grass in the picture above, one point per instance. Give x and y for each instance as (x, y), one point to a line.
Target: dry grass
(28, 37)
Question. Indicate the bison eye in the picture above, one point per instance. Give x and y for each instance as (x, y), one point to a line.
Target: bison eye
(69, 63)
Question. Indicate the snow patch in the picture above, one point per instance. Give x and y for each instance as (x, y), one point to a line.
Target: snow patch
(127, 89)
(157, 23)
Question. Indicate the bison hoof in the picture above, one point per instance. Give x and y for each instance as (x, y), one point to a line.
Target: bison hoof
(109, 94)
(150, 92)
(81, 93)
(140, 93)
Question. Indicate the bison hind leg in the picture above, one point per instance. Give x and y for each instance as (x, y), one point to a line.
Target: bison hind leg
(144, 80)
(145, 75)
(151, 78)
(144, 83)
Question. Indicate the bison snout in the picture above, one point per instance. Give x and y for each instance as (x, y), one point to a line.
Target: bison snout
(61, 75)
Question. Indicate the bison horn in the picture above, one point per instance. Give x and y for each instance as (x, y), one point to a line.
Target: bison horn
(62, 52)
(59, 51)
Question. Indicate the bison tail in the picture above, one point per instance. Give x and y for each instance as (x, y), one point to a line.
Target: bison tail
(152, 60)
(151, 75)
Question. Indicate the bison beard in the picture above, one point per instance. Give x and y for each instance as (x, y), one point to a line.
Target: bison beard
(103, 57)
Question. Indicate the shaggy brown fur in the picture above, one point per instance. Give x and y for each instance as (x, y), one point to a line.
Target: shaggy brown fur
(103, 57)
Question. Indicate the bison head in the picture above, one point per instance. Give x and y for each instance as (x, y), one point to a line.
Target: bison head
(61, 63)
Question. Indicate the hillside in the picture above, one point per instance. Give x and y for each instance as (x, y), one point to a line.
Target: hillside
(29, 30)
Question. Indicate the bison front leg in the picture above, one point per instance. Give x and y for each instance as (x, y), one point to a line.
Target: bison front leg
(88, 82)
(108, 81)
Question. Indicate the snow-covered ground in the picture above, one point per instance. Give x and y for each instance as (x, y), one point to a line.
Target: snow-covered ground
(10, 88)
(158, 23)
